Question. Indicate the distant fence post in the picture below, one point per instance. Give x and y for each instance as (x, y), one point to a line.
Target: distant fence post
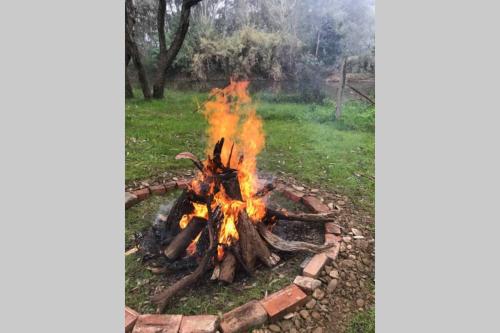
(340, 90)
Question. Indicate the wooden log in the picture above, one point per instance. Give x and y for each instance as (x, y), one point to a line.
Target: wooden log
(227, 268)
(288, 246)
(265, 190)
(181, 206)
(217, 154)
(236, 251)
(232, 186)
(244, 227)
(313, 218)
(203, 243)
(184, 238)
(161, 299)
(252, 245)
(192, 157)
(215, 272)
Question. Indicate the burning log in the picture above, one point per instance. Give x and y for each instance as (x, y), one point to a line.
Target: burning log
(163, 297)
(181, 207)
(227, 268)
(184, 238)
(203, 243)
(252, 245)
(265, 190)
(288, 246)
(232, 185)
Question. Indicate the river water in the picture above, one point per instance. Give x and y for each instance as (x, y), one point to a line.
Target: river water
(327, 88)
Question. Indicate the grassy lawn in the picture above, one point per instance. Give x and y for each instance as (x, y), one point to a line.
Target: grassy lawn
(363, 322)
(301, 140)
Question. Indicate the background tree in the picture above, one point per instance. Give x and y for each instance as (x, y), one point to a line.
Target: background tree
(270, 39)
(132, 52)
(167, 56)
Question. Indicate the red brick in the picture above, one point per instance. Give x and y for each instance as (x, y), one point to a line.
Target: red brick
(158, 189)
(293, 195)
(141, 194)
(170, 185)
(130, 319)
(199, 324)
(332, 228)
(315, 266)
(333, 252)
(315, 204)
(284, 301)
(306, 283)
(183, 183)
(330, 239)
(130, 200)
(153, 323)
(243, 318)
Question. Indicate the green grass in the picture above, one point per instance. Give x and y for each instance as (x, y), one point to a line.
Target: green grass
(363, 322)
(301, 140)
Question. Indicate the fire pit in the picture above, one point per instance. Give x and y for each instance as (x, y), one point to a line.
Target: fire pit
(222, 221)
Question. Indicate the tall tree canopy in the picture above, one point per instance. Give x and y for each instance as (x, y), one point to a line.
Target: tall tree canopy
(273, 39)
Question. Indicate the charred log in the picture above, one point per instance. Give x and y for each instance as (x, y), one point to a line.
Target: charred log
(182, 206)
(161, 299)
(288, 246)
(203, 243)
(265, 190)
(313, 218)
(184, 238)
(232, 186)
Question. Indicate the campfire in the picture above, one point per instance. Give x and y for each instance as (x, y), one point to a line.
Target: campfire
(221, 221)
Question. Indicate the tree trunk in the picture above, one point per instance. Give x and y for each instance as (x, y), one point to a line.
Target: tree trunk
(340, 91)
(167, 57)
(133, 51)
(129, 93)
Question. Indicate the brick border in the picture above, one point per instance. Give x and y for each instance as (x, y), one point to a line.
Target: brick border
(276, 305)
(135, 196)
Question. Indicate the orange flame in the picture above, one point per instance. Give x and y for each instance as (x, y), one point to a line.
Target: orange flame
(231, 116)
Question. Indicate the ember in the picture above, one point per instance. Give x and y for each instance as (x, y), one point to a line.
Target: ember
(222, 216)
